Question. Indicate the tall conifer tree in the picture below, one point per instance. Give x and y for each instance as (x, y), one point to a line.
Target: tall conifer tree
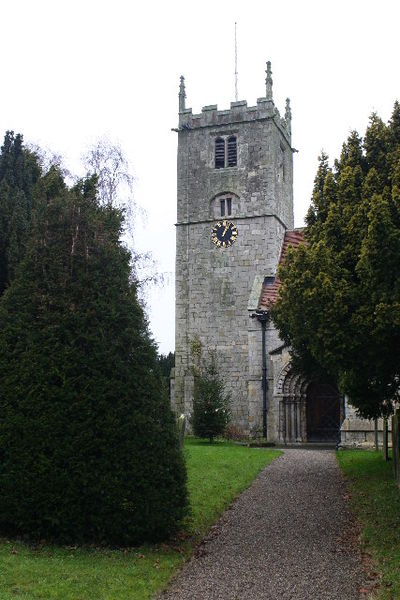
(88, 447)
(339, 302)
(19, 171)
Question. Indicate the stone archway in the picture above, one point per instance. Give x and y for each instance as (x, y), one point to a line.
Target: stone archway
(308, 411)
(291, 395)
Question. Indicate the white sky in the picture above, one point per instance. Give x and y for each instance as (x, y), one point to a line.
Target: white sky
(73, 71)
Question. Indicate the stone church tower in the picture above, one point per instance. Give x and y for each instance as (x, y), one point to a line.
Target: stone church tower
(235, 170)
(234, 223)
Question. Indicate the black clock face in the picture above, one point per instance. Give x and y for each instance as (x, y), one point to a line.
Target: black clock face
(224, 233)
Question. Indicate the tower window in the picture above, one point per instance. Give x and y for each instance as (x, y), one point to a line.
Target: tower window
(225, 152)
(219, 153)
(226, 207)
(232, 151)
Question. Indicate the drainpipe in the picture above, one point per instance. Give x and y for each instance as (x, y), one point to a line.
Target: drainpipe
(263, 317)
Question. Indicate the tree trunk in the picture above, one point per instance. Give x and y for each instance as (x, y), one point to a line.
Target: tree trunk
(385, 440)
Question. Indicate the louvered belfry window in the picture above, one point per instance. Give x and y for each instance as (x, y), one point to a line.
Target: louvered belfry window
(225, 152)
(232, 151)
(219, 153)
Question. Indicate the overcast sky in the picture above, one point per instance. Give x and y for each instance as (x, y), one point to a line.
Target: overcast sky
(74, 71)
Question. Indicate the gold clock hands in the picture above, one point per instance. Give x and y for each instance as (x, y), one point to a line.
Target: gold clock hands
(225, 230)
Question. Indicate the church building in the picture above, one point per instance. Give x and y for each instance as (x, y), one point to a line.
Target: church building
(234, 224)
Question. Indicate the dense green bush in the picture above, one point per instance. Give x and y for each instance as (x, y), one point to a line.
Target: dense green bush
(211, 412)
(88, 446)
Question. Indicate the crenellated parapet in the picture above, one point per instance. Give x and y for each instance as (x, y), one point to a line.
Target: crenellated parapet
(238, 112)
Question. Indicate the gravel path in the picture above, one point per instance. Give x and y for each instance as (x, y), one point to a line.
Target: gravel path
(289, 536)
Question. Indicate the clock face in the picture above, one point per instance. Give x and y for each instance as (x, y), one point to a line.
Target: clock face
(224, 233)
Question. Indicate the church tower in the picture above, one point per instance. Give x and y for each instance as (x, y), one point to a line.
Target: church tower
(234, 204)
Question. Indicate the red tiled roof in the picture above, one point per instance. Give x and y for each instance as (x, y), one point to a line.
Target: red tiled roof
(269, 292)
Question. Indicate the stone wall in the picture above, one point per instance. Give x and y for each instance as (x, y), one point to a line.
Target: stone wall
(217, 284)
(360, 433)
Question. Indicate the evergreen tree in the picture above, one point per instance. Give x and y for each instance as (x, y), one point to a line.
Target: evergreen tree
(338, 306)
(88, 446)
(211, 412)
(19, 171)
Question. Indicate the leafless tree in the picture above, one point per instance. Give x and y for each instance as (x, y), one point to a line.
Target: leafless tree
(115, 187)
(115, 181)
(47, 159)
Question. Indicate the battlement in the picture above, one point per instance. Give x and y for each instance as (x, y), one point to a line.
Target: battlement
(238, 112)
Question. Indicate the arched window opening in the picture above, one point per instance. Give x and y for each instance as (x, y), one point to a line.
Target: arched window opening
(226, 206)
(219, 153)
(232, 151)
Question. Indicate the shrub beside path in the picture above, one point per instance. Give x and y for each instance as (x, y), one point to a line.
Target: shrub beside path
(289, 536)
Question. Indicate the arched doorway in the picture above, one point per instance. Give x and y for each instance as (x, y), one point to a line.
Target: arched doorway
(308, 411)
(324, 410)
(290, 393)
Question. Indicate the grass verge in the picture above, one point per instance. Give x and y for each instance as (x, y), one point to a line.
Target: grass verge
(375, 499)
(216, 475)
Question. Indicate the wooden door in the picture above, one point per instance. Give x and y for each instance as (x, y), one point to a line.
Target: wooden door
(324, 410)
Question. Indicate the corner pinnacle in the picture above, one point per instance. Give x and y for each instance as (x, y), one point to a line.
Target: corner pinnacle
(268, 82)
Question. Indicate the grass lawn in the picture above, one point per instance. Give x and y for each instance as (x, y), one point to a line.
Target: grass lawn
(375, 499)
(216, 475)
